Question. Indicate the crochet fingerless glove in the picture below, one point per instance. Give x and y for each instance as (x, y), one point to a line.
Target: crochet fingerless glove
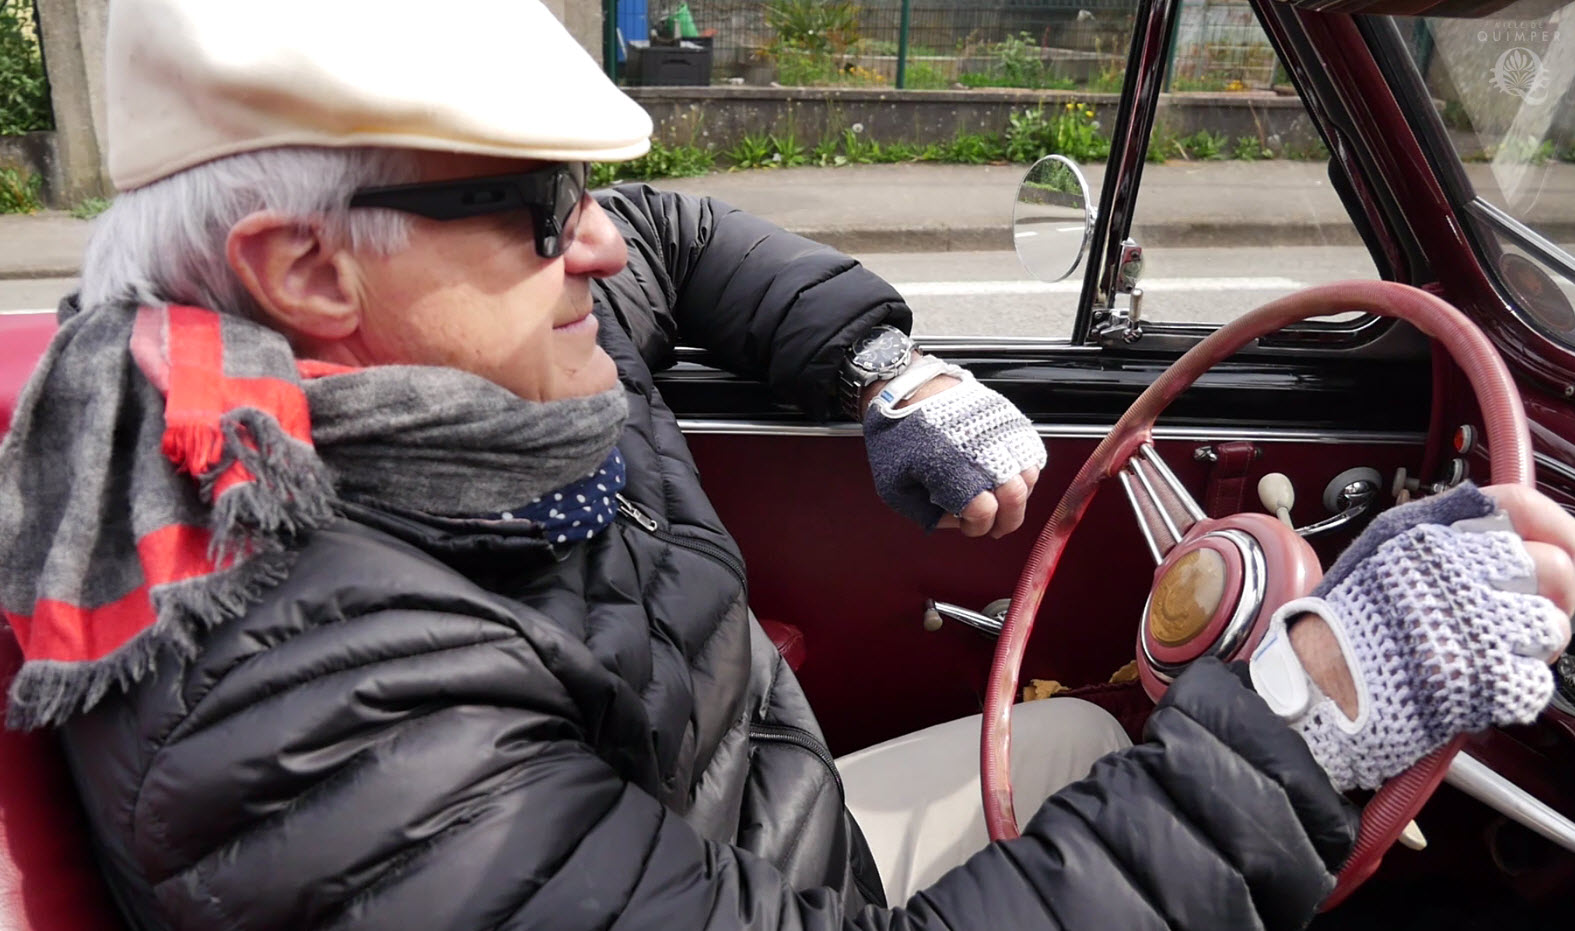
(1435, 609)
(934, 456)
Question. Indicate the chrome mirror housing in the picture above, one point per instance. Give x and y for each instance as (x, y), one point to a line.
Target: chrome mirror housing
(1053, 221)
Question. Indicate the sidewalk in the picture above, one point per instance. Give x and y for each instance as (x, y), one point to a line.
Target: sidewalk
(939, 208)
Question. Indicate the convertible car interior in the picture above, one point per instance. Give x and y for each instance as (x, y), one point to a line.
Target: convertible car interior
(1234, 461)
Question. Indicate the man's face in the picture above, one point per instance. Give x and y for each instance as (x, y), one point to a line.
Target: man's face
(473, 294)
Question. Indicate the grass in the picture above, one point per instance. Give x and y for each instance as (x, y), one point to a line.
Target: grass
(1070, 129)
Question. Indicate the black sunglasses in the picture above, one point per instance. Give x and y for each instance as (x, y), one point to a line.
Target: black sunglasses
(551, 194)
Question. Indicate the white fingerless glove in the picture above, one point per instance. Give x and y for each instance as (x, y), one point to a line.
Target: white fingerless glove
(934, 456)
(1434, 606)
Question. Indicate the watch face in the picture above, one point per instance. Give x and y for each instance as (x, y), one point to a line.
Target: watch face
(888, 350)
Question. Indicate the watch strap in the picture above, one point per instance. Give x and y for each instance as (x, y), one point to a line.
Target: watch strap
(923, 371)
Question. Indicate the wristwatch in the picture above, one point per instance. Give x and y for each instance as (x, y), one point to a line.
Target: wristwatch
(879, 355)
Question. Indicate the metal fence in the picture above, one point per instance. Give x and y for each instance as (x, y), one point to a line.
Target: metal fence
(949, 43)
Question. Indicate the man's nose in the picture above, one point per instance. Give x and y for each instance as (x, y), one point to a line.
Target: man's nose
(598, 250)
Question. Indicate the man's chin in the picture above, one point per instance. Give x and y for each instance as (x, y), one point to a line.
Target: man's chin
(598, 374)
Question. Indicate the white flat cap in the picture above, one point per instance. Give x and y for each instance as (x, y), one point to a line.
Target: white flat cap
(194, 80)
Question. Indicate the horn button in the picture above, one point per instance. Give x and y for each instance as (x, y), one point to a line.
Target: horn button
(1206, 595)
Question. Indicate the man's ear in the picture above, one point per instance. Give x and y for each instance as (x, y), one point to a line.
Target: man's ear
(303, 286)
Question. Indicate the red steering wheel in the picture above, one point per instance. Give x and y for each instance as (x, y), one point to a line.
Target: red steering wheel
(1249, 564)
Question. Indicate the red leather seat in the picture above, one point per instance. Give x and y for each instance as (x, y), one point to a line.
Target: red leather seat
(789, 641)
(22, 340)
(48, 879)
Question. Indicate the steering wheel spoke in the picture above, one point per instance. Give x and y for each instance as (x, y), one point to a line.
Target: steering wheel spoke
(1164, 509)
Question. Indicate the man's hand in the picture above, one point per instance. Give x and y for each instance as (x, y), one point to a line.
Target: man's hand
(1546, 531)
(1439, 620)
(911, 486)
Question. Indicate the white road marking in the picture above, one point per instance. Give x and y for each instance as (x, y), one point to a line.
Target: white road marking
(1152, 285)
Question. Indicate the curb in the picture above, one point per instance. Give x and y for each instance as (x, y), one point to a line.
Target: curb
(1171, 235)
(996, 238)
(45, 271)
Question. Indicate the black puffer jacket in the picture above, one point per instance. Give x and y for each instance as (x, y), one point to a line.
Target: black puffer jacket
(431, 727)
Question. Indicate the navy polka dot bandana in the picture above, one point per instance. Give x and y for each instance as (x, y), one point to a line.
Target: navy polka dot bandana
(579, 510)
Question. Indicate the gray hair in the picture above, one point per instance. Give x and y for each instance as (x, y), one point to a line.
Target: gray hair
(165, 242)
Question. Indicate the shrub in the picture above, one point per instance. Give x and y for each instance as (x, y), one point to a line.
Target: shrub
(19, 191)
(814, 25)
(24, 91)
(1018, 59)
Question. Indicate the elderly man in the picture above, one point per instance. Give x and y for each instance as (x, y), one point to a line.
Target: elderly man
(369, 582)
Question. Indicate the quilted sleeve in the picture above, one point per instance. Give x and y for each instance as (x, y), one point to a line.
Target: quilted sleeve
(766, 303)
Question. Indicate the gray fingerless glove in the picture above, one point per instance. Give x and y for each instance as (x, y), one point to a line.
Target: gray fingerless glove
(934, 456)
(1435, 609)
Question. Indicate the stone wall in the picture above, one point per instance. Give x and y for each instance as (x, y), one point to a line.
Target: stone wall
(35, 153)
(719, 116)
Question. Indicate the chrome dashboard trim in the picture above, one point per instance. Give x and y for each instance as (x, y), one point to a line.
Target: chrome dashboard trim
(1068, 431)
(1544, 461)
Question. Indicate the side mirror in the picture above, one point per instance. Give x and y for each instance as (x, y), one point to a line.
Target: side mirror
(1053, 221)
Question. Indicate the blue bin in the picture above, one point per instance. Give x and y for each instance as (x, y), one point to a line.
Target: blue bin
(633, 24)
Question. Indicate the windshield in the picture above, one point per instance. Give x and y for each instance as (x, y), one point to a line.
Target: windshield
(1502, 87)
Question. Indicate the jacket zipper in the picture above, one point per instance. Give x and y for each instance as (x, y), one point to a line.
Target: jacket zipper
(804, 740)
(631, 512)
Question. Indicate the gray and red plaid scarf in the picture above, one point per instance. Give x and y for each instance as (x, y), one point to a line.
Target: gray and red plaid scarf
(165, 463)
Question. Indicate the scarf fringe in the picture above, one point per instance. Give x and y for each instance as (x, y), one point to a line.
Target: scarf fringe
(292, 492)
(195, 448)
(47, 693)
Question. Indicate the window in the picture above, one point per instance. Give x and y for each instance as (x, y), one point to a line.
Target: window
(1502, 88)
(1236, 207)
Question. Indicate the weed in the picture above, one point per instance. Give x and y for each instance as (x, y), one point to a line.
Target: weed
(1108, 81)
(973, 149)
(1181, 84)
(799, 68)
(1163, 143)
(1250, 149)
(19, 191)
(90, 207)
(1203, 145)
(826, 154)
(754, 150)
(1027, 136)
(857, 148)
(1071, 131)
(787, 151)
(895, 152)
(1525, 150)
(1315, 152)
(922, 76)
(662, 161)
